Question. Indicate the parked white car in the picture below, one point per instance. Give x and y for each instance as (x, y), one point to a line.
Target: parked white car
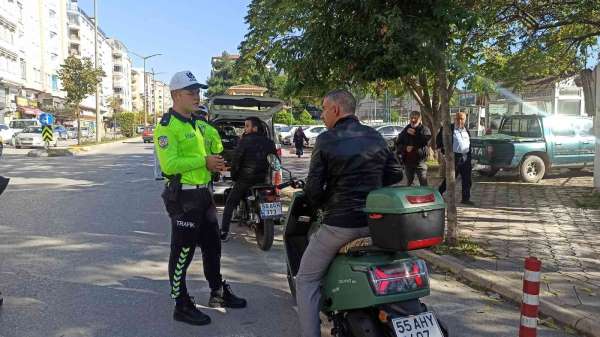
(312, 132)
(286, 133)
(5, 133)
(32, 137)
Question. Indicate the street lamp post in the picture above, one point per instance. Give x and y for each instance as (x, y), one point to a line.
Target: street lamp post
(144, 58)
(155, 121)
(98, 117)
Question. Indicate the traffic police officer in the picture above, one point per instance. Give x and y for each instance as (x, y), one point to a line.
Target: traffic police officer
(187, 165)
(212, 140)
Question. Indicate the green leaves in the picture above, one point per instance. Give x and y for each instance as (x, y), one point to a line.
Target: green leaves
(79, 78)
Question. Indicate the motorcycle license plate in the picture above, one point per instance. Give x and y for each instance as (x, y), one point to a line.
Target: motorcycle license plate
(422, 325)
(270, 210)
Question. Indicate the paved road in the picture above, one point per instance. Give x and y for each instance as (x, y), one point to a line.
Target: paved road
(84, 243)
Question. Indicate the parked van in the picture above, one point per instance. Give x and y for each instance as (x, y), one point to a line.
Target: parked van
(17, 125)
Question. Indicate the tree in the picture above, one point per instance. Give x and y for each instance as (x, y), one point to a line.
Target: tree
(284, 117)
(427, 45)
(79, 79)
(115, 102)
(551, 41)
(222, 76)
(305, 118)
(128, 121)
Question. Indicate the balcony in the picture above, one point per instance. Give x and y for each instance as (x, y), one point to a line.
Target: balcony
(74, 38)
(74, 52)
(73, 8)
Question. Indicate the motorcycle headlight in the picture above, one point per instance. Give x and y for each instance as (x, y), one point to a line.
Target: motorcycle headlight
(398, 277)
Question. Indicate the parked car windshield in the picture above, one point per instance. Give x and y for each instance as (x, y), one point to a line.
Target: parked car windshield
(22, 124)
(521, 127)
(33, 129)
(3, 127)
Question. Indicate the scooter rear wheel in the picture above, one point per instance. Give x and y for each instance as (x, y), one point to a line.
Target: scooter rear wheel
(265, 231)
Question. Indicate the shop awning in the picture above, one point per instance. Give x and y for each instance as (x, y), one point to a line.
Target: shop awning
(30, 111)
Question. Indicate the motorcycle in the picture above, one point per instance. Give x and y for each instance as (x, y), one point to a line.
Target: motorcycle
(261, 209)
(373, 287)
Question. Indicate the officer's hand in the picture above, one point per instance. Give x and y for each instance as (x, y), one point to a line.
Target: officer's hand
(215, 163)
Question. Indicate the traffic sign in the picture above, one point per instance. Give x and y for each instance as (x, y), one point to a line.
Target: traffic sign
(46, 119)
(47, 133)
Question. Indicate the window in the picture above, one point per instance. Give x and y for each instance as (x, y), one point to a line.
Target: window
(569, 108)
(54, 81)
(3, 63)
(561, 128)
(51, 13)
(584, 127)
(52, 34)
(23, 69)
(522, 127)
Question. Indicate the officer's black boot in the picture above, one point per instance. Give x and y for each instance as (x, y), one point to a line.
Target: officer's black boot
(186, 311)
(224, 298)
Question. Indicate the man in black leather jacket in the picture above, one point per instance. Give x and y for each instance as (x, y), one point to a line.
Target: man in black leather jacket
(249, 167)
(348, 161)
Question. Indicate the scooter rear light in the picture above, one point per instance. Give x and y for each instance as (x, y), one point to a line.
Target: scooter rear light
(277, 180)
(398, 277)
(420, 199)
(425, 243)
(278, 150)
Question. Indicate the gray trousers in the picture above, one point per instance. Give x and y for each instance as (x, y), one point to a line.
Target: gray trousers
(321, 250)
(420, 170)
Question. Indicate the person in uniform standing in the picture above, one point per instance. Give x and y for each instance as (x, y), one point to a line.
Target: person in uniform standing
(186, 164)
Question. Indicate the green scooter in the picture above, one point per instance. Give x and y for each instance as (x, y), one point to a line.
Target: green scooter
(374, 286)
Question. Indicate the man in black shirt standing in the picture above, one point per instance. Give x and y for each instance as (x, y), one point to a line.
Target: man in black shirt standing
(411, 146)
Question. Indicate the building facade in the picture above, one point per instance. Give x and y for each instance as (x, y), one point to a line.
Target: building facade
(41, 46)
(121, 74)
(12, 60)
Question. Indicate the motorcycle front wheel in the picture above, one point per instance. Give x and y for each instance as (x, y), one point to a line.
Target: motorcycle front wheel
(265, 231)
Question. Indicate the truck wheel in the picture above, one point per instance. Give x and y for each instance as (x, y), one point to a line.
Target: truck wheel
(532, 169)
(265, 232)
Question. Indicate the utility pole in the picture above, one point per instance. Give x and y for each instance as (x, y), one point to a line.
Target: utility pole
(155, 121)
(98, 116)
(144, 58)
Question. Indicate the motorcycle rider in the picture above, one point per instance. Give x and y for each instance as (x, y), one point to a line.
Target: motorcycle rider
(249, 167)
(349, 161)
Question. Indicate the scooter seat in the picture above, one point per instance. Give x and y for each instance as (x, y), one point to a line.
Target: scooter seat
(360, 242)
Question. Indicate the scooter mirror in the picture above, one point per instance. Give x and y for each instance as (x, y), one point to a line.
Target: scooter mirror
(274, 162)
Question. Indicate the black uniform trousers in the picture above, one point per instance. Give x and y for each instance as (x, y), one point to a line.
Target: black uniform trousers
(193, 223)
(462, 167)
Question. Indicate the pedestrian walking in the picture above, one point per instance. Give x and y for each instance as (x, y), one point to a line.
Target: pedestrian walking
(183, 158)
(411, 147)
(461, 145)
(299, 140)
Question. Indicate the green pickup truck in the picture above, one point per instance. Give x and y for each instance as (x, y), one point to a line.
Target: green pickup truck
(533, 144)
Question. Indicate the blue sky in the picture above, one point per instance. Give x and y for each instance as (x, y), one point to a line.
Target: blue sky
(187, 32)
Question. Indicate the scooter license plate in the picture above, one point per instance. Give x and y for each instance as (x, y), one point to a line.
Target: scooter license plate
(422, 325)
(270, 210)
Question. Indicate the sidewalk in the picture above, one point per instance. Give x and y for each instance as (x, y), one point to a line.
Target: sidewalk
(514, 220)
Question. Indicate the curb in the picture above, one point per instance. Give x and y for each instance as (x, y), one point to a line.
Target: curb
(87, 148)
(491, 281)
